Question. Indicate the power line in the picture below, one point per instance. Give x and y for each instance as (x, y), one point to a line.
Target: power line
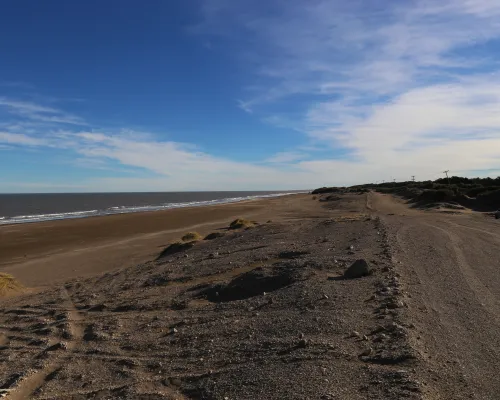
(447, 177)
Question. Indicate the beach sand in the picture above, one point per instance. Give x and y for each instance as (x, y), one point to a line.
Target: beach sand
(45, 253)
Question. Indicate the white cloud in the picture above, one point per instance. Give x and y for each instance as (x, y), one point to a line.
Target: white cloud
(21, 139)
(386, 90)
(403, 87)
(40, 113)
(286, 157)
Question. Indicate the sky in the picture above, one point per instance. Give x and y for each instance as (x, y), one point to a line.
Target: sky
(128, 95)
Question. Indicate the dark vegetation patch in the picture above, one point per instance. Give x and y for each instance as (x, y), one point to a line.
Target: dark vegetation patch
(480, 194)
(292, 254)
(213, 235)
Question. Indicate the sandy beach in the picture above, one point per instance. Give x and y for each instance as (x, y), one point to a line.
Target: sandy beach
(42, 253)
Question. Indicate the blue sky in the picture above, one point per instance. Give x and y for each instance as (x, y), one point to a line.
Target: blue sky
(126, 95)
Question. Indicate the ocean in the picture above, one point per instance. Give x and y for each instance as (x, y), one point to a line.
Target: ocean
(25, 208)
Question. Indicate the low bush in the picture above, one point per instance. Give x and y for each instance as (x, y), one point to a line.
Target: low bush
(191, 237)
(241, 223)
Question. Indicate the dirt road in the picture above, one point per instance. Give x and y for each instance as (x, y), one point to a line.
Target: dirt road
(450, 264)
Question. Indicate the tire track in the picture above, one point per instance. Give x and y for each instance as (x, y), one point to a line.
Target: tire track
(481, 291)
(35, 380)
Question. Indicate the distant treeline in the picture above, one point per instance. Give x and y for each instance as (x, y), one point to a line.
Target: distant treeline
(476, 193)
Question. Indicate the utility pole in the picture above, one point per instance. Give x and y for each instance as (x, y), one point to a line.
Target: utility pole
(394, 180)
(413, 178)
(447, 177)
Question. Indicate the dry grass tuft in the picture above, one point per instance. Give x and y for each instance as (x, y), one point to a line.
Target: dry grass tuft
(241, 223)
(191, 237)
(8, 284)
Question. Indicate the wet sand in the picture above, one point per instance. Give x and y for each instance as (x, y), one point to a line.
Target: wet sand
(43, 253)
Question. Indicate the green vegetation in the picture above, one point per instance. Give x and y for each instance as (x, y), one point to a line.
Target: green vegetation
(191, 237)
(241, 223)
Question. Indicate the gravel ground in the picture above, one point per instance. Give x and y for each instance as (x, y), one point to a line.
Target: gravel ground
(267, 313)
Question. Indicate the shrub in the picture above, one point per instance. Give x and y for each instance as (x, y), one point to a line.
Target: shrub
(213, 235)
(240, 223)
(8, 284)
(435, 196)
(191, 237)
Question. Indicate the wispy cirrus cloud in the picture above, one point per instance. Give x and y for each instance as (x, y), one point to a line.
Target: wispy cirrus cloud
(286, 157)
(21, 139)
(390, 83)
(40, 113)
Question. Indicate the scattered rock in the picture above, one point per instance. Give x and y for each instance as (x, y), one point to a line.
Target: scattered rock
(358, 269)
(57, 346)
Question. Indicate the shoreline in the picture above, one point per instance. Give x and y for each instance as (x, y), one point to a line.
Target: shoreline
(132, 209)
(57, 250)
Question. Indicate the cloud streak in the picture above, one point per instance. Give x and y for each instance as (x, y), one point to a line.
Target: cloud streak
(40, 113)
(399, 86)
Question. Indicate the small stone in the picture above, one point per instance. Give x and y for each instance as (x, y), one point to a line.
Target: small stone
(355, 334)
(175, 330)
(366, 352)
(325, 296)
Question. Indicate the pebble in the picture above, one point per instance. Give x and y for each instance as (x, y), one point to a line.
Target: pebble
(366, 352)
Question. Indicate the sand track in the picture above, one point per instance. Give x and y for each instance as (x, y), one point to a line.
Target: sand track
(451, 264)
